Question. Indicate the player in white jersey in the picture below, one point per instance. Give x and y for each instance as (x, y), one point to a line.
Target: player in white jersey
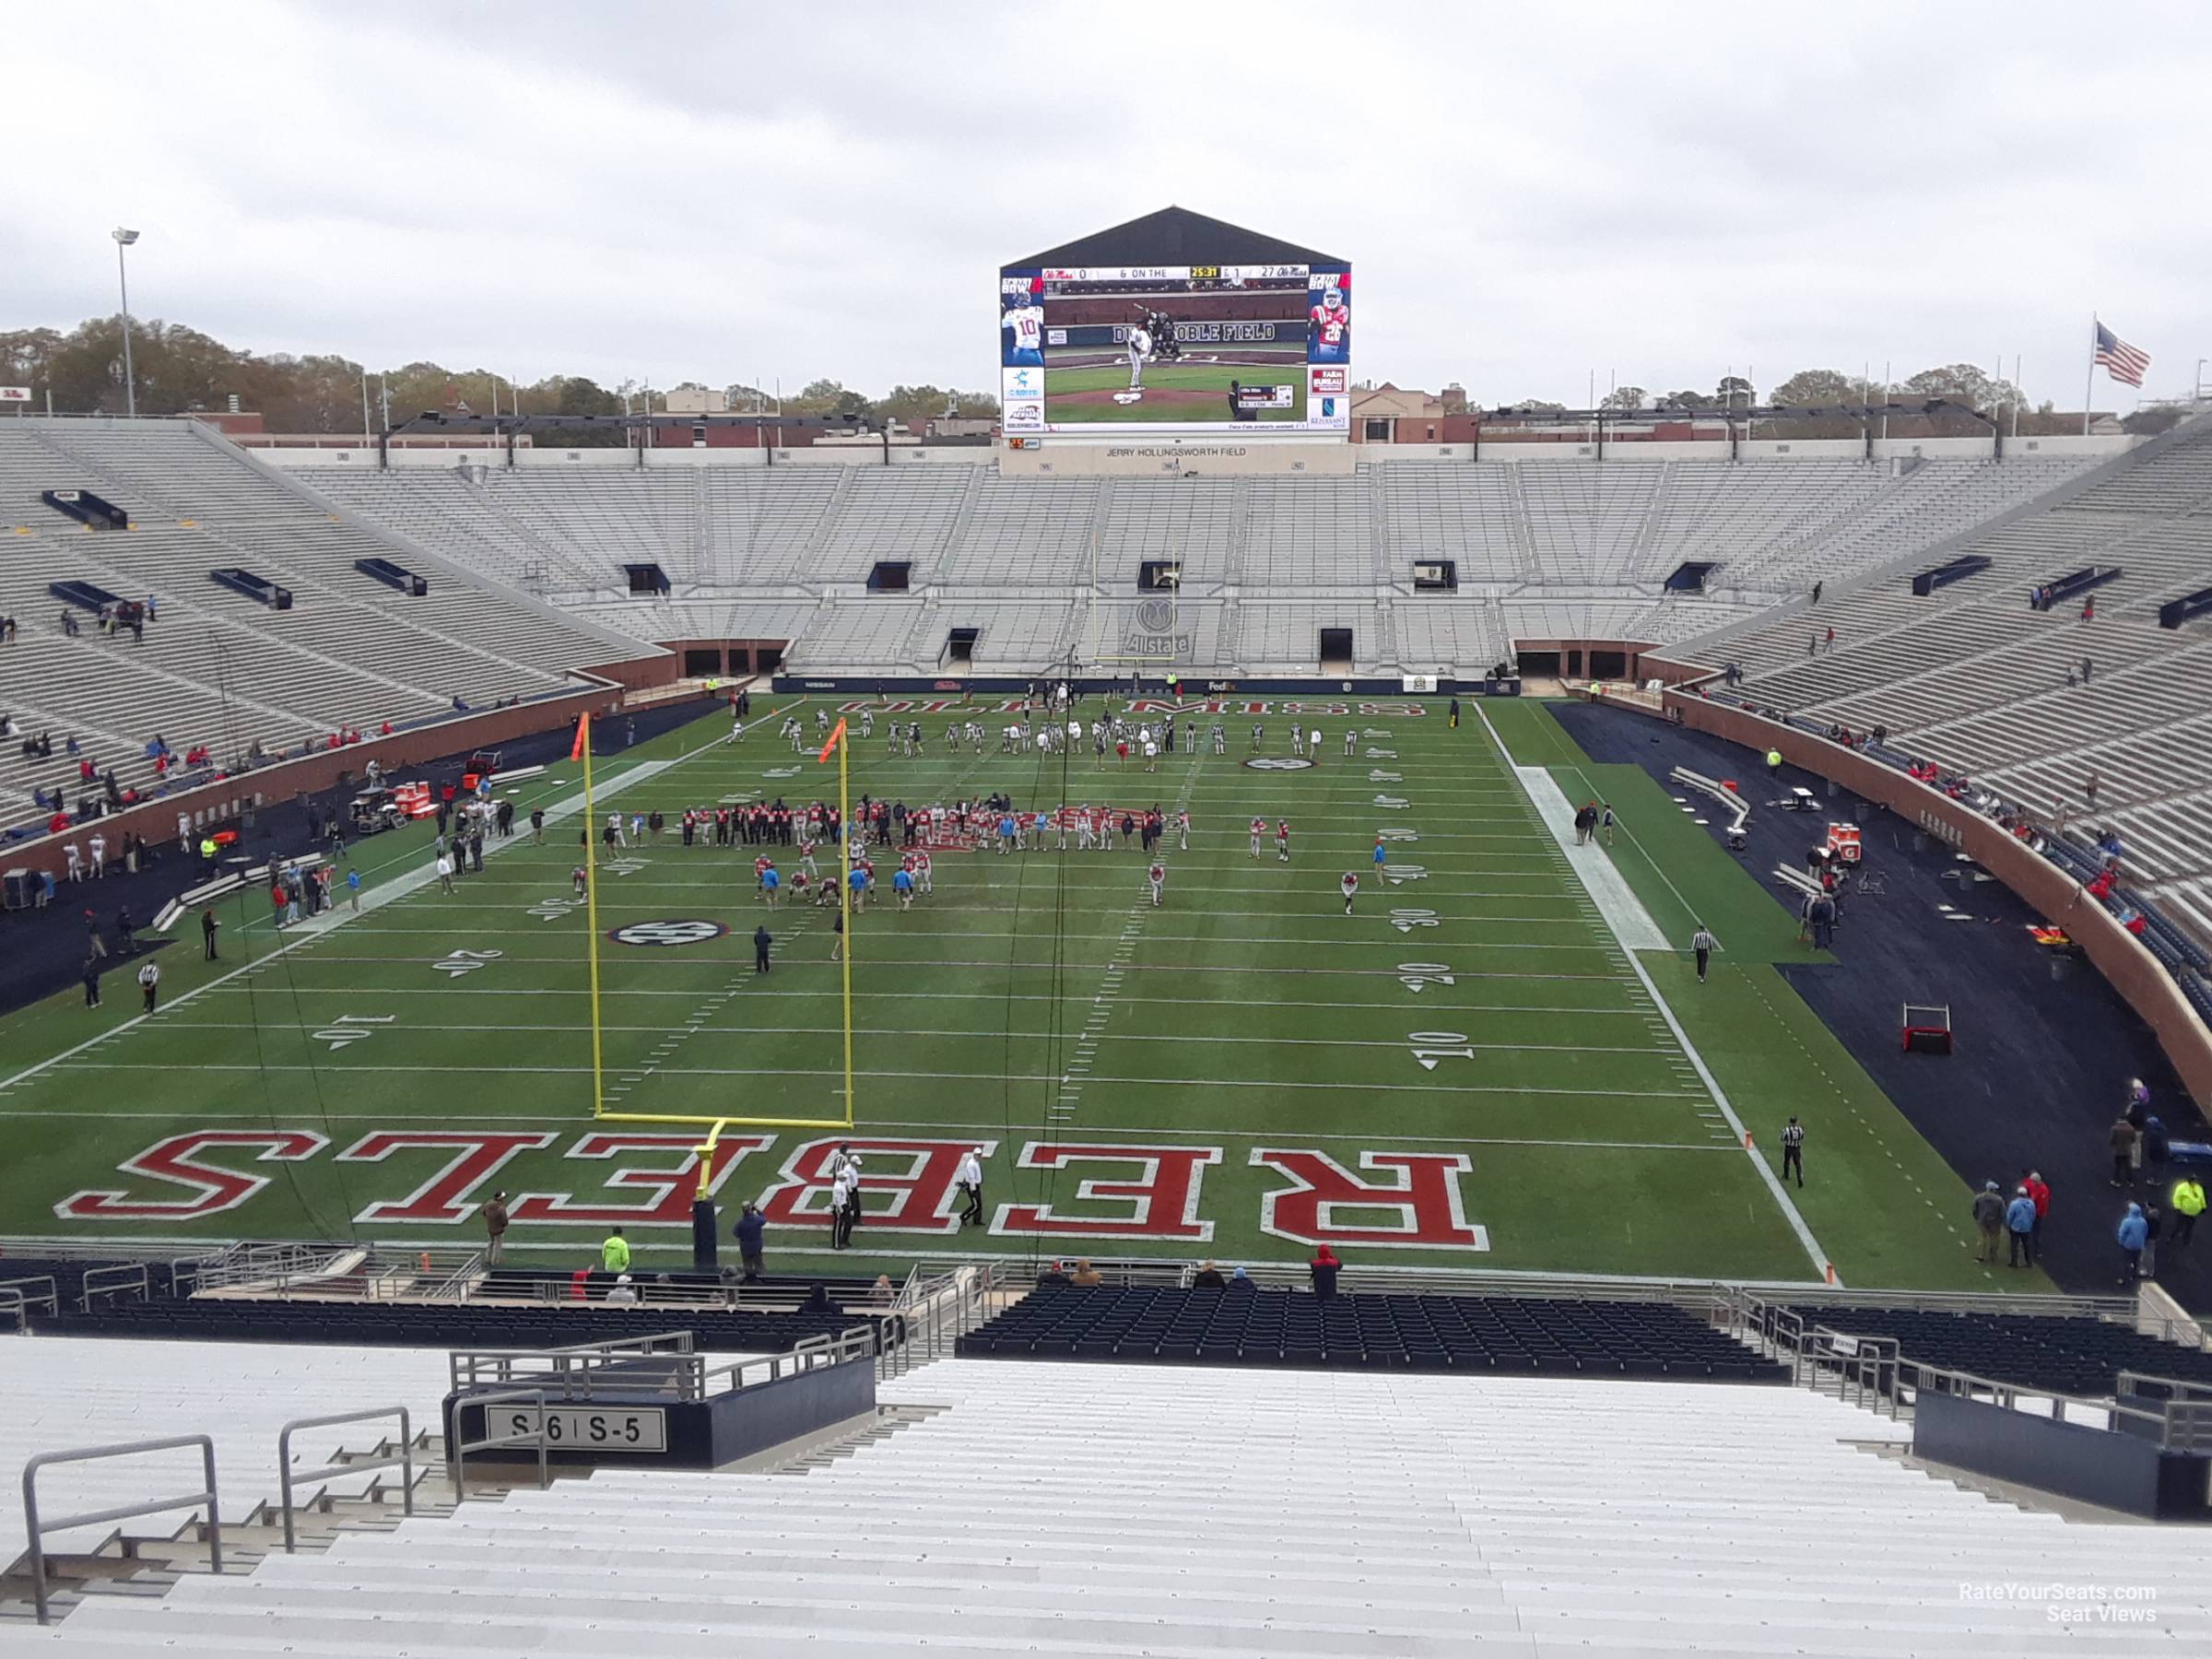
(1083, 828)
(1141, 352)
(1157, 876)
(922, 871)
(1220, 739)
(1297, 739)
(1259, 829)
(1314, 743)
(1182, 827)
(1351, 740)
(1350, 884)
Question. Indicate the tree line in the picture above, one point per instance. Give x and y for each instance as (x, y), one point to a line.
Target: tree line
(179, 370)
(1959, 383)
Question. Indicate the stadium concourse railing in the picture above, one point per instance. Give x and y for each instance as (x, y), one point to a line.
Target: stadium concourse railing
(1874, 1372)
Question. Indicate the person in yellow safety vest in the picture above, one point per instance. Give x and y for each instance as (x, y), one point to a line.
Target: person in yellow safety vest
(207, 851)
(614, 1254)
(1773, 763)
(2187, 1203)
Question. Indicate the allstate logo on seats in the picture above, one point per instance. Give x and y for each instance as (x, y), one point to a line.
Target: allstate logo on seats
(1278, 764)
(667, 932)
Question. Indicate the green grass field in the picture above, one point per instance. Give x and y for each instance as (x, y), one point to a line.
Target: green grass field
(1184, 391)
(1469, 1071)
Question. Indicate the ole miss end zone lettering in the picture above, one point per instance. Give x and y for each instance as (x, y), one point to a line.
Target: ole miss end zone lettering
(1095, 1192)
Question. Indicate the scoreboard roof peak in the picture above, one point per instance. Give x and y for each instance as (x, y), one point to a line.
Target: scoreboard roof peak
(1175, 236)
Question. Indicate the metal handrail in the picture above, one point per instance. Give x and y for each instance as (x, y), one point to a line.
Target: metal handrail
(459, 1449)
(34, 1528)
(463, 1366)
(127, 1276)
(406, 1460)
(18, 1296)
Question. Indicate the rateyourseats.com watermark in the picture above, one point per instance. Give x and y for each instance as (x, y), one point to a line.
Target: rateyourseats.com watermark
(2069, 1604)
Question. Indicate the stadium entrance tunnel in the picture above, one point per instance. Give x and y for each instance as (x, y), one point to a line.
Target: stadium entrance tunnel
(1336, 650)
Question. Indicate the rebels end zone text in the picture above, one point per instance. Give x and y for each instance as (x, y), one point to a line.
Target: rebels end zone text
(1399, 1201)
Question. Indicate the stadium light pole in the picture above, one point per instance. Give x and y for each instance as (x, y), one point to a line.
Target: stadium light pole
(123, 239)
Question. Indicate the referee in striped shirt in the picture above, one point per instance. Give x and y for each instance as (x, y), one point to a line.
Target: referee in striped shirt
(1793, 1150)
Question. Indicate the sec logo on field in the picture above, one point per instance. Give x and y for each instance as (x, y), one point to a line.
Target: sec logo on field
(667, 932)
(1278, 764)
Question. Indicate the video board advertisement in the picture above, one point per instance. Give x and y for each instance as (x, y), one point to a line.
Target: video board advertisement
(1161, 349)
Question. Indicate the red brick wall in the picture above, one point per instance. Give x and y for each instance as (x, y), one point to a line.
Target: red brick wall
(2133, 972)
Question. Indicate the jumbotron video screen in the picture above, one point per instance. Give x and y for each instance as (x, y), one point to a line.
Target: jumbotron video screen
(1165, 348)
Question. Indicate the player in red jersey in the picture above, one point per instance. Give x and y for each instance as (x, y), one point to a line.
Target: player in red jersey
(1259, 827)
(1282, 840)
(1350, 884)
(1158, 876)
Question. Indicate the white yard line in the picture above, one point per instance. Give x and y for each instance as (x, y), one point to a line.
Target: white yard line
(1584, 870)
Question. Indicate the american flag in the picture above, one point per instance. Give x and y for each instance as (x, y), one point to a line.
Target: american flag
(2123, 362)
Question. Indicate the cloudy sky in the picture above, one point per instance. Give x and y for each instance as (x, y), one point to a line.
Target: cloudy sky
(724, 192)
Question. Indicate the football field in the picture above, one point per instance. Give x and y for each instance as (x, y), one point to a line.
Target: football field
(1194, 387)
(1499, 1059)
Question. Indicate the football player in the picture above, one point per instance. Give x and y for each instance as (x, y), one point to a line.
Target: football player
(1332, 323)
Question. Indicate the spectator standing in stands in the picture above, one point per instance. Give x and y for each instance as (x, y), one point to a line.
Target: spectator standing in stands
(1793, 1150)
(495, 1228)
(1208, 1277)
(150, 981)
(1084, 1274)
(1989, 1217)
(1818, 588)
(2087, 668)
(2150, 1240)
(751, 1233)
(2186, 1202)
(622, 1292)
(2126, 1145)
(2157, 1147)
(2019, 1223)
(2039, 1194)
(1832, 638)
(2088, 790)
(614, 1252)
(1324, 1267)
(2134, 1232)
(1702, 944)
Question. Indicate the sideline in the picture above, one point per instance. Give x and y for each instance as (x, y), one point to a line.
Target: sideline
(1822, 1263)
(385, 892)
(1609, 889)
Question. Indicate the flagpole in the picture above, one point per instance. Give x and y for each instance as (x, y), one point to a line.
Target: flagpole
(591, 911)
(2088, 382)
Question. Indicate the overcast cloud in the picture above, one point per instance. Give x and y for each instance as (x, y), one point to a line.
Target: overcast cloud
(720, 193)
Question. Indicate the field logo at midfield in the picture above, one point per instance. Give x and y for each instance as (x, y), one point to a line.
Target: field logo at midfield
(1278, 764)
(667, 932)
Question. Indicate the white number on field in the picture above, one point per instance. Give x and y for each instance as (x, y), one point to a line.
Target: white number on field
(1399, 835)
(1405, 921)
(619, 866)
(466, 961)
(350, 1027)
(553, 909)
(1399, 873)
(1393, 803)
(1385, 777)
(1414, 976)
(1429, 1047)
